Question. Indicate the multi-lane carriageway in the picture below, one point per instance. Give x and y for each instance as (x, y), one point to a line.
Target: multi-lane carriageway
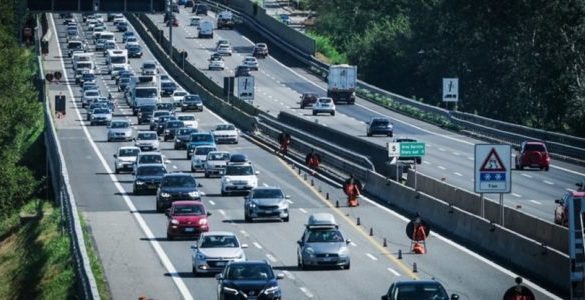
(138, 260)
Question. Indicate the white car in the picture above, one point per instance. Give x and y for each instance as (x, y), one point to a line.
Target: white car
(224, 49)
(188, 120)
(238, 178)
(147, 141)
(251, 62)
(324, 105)
(199, 156)
(216, 63)
(146, 158)
(89, 96)
(100, 116)
(125, 158)
(215, 162)
(178, 96)
(226, 133)
(214, 250)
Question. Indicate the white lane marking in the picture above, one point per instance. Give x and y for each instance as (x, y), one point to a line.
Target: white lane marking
(257, 245)
(175, 167)
(456, 153)
(457, 173)
(442, 149)
(471, 158)
(264, 184)
(289, 275)
(353, 244)
(426, 162)
(526, 175)
(535, 202)
(303, 210)
(516, 195)
(548, 182)
(441, 167)
(211, 202)
(393, 271)
(166, 262)
(371, 256)
(270, 257)
(571, 190)
(222, 212)
(306, 292)
(244, 233)
(289, 201)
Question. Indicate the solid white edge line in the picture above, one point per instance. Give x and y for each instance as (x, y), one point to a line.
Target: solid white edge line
(166, 262)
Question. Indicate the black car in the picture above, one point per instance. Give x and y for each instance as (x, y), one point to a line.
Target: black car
(189, 3)
(162, 122)
(167, 88)
(148, 178)
(417, 289)
(171, 128)
(192, 102)
(124, 74)
(183, 136)
(238, 159)
(380, 126)
(242, 70)
(145, 113)
(134, 51)
(174, 187)
(248, 279)
(200, 9)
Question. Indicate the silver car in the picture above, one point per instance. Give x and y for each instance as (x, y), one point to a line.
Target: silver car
(199, 156)
(214, 250)
(125, 158)
(266, 203)
(322, 244)
(147, 141)
(215, 162)
(120, 130)
(100, 116)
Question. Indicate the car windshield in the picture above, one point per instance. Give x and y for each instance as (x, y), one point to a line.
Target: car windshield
(380, 123)
(267, 193)
(147, 136)
(134, 47)
(168, 85)
(203, 150)
(175, 124)
(225, 127)
(147, 108)
(180, 181)
(325, 100)
(161, 113)
(150, 159)
(185, 131)
(188, 210)
(192, 98)
(420, 291)
(118, 59)
(239, 170)
(88, 76)
(249, 272)
(120, 125)
(151, 170)
(146, 93)
(219, 241)
(180, 94)
(218, 156)
(534, 147)
(93, 93)
(129, 152)
(186, 118)
(101, 111)
(149, 66)
(201, 138)
(325, 236)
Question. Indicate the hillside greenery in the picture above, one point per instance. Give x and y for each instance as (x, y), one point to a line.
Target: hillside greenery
(518, 61)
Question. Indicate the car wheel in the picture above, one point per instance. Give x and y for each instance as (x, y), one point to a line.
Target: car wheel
(206, 175)
(223, 193)
(517, 166)
(170, 237)
(347, 266)
(314, 113)
(390, 134)
(546, 168)
(195, 273)
(286, 219)
(135, 191)
(302, 106)
(188, 156)
(333, 113)
(158, 208)
(368, 134)
(193, 170)
(299, 264)
(117, 171)
(247, 218)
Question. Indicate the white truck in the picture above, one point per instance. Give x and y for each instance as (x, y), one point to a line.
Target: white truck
(205, 29)
(117, 60)
(143, 90)
(341, 83)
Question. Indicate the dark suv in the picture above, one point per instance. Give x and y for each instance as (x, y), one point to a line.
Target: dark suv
(145, 113)
(200, 9)
(260, 50)
(174, 187)
(534, 155)
(192, 102)
(308, 99)
(248, 279)
(380, 126)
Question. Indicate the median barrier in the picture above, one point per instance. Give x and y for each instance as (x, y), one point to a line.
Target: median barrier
(543, 264)
(554, 236)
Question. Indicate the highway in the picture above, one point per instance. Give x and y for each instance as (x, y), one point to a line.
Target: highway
(449, 156)
(139, 261)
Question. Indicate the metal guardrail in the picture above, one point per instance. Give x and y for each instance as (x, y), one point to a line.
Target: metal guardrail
(64, 195)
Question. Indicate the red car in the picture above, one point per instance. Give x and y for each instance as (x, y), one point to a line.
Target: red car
(534, 155)
(187, 219)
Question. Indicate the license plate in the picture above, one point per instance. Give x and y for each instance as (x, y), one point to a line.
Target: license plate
(152, 186)
(240, 187)
(328, 259)
(252, 297)
(221, 264)
(189, 229)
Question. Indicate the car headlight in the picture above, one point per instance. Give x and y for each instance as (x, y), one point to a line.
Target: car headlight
(178, 140)
(252, 204)
(200, 256)
(138, 182)
(167, 131)
(227, 180)
(175, 222)
(344, 251)
(283, 204)
(202, 221)
(193, 194)
(230, 291)
(310, 251)
(271, 290)
(165, 195)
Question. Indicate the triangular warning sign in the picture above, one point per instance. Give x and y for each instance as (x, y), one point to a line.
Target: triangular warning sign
(493, 162)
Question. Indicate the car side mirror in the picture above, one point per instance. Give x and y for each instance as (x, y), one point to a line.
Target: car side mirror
(194, 246)
(558, 201)
(385, 297)
(368, 123)
(280, 276)
(300, 243)
(348, 241)
(168, 212)
(199, 185)
(116, 155)
(209, 213)
(454, 297)
(287, 197)
(167, 161)
(257, 172)
(219, 276)
(244, 246)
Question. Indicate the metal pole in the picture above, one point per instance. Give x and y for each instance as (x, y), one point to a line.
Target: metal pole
(171, 33)
(415, 181)
(502, 209)
(481, 202)
(229, 90)
(397, 166)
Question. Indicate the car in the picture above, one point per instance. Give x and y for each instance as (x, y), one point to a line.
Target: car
(199, 139)
(87, 77)
(251, 62)
(122, 84)
(242, 70)
(167, 88)
(322, 244)
(408, 159)
(187, 219)
(149, 67)
(238, 178)
(162, 122)
(324, 105)
(188, 120)
(109, 45)
(132, 39)
(260, 50)
(155, 115)
(222, 42)
(134, 50)
(238, 159)
(199, 156)
(417, 289)
(175, 8)
(178, 96)
(182, 136)
(215, 163)
(171, 128)
(224, 50)
(285, 19)
(126, 35)
(214, 250)
(200, 9)
(226, 133)
(308, 99)
(225, 19)
(69, 20)
(125, 158)
(115, 18)
(192, 102)
(145, 113)
(89, 96)
(93, 106)
(533, 155)
(174, 187)
(173, 21)
(189, 3)
(256, 276)
(122, 26)
(147, 177)
(266, 203)
(194, 21)
(100, 45)
(120, 130)
(147, 141)
(380, 125)
(152, 157)
(100, 116)
(168, 106)
(216, 63)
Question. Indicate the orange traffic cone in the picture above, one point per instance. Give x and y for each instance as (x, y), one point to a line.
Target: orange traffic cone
(418, 248)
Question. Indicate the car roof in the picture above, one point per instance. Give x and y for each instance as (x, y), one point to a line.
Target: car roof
(208, 233)
(317, 220)
(267, 188)
(185, 202)
(534, 143)
(250, 262)
(151, 165)
(147, 131)
(128, 147)
(178, 174)
(416, 282)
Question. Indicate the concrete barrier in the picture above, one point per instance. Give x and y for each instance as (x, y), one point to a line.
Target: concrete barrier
(545, 265)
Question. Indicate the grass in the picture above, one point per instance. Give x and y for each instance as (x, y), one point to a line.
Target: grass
(96, 265)
(326, 51)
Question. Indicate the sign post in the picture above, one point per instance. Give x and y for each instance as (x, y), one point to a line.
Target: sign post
(406, 149)
(245, 85)
(493, 165)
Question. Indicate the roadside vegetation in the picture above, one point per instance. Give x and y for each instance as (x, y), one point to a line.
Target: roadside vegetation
(520, 61)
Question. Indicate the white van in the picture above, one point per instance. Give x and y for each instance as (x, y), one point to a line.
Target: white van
(81, 56)
(205, 29)
(117, 60)
(108, 36)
